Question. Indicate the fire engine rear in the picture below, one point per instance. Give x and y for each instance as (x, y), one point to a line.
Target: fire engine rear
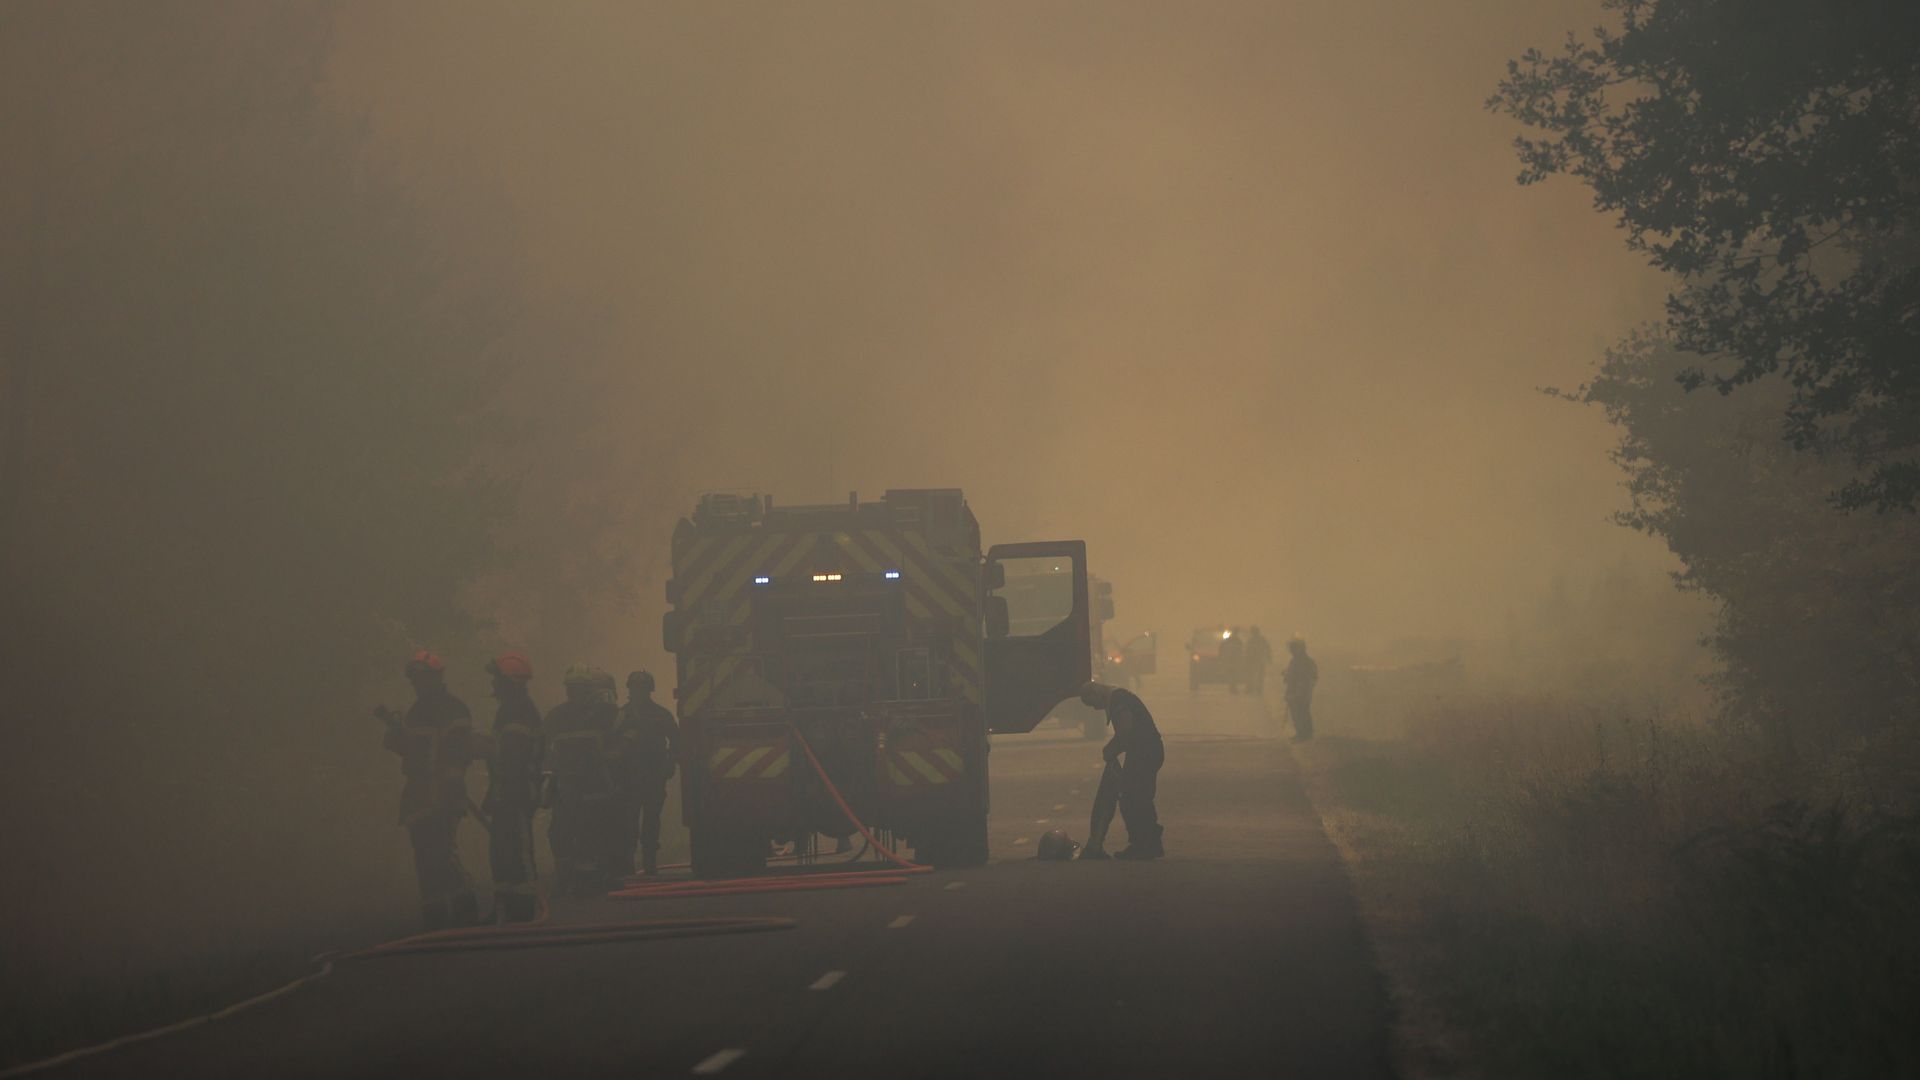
(880, 634)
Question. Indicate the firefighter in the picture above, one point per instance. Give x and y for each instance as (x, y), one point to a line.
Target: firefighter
(1259, 658)
(584, 789)
(435, 743)
(1137, 739)
(1233, 655)
(513, 787)
(1300, 676)
(652, 748)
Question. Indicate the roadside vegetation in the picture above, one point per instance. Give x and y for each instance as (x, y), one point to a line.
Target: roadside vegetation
(1591, 884)
(1562, 889)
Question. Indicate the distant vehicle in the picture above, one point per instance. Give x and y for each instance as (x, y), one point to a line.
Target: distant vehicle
(1209, 660)
(883, 634)
(1125, 664)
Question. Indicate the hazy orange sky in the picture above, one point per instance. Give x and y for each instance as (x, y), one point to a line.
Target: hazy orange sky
(1244, 294)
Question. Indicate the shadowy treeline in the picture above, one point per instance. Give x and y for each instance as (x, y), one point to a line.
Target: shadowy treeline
(263, 429)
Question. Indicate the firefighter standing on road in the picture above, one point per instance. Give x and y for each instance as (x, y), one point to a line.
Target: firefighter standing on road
(1300, 676)
(435, 743)
(1233, 657)
(1137, 738)
(582, 752)
(653, 747)
(1259, 658)
(513, 787)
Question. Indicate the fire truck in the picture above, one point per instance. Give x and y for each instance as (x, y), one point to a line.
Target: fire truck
(882, 636)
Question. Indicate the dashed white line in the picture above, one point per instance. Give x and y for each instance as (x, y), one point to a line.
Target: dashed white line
(1040, 821)
(952, 885)
(718, 1062)
(1061, 806)
(899, 921)
(1073, 791)
(1022, 840)
(825, 982)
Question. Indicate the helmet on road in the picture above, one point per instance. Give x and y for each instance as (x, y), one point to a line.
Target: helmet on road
(641, 681)
(1057, 846)
(511, 665)
(425, 662)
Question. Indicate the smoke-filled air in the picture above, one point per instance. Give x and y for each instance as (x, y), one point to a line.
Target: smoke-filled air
(507, 518)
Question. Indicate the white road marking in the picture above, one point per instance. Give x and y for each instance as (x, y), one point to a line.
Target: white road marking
(952, 885)
(1041, 821)
(1074, 791)
(718, 1062)
(1061, 806)
(899, 921)
(825, 982)
(1022, 840)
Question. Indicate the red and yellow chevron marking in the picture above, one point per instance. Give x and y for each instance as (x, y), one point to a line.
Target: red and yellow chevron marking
(716, 591)
(920, 768)
(766, 760)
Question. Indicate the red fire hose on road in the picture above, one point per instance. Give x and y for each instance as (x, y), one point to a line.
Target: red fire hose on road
(804, 882)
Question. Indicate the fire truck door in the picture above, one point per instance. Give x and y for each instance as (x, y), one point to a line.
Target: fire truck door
(1038, 631)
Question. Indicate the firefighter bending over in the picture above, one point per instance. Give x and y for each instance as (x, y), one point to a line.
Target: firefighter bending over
(435, 743)
(1300, 676)
(582, 754)
(513, 787)
(652, 751)
(1137, 739)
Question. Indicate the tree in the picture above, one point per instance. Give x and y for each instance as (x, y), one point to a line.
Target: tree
(1767, 153)
(1819, 623)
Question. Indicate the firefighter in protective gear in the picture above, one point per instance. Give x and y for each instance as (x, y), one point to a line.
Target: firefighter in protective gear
(513, 787)
(1137, 739)
(583, 758)
(1233, 658)
(1259, 658)
(435, 743)
(652, 748)
(1301, 675)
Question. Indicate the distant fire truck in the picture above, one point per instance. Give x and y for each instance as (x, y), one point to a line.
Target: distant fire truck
(882, 635)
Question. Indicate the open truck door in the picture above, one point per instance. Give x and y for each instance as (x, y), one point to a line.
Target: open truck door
(1039, 633)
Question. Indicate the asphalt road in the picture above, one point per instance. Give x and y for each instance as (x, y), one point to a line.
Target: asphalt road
(1239, 954)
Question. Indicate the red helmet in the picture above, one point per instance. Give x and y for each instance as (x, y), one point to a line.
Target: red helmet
(511, 665)
(424, 660)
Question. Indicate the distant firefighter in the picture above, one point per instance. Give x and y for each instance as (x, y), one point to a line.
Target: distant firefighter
(1233, 658)
(1259, 658)
(435, 743)
(583, 760)
(1300, 676)
(514, 758)
(652, 752)
(1137, 739)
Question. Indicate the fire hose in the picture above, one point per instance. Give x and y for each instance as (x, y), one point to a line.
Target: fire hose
(539, 933)
(803, 882)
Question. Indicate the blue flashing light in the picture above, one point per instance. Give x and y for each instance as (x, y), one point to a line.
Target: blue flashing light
(893, 575)
(763, 581)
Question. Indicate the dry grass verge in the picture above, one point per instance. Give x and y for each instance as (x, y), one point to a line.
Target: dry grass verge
(1568, 891)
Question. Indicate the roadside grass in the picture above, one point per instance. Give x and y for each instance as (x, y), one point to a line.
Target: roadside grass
(1570, 891)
